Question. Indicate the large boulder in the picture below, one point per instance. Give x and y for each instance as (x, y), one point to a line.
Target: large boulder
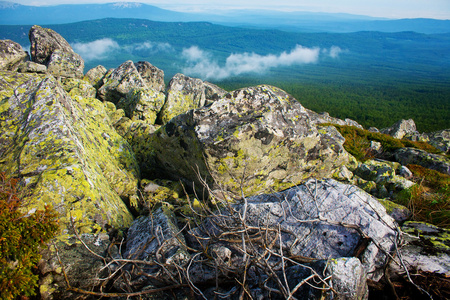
(436, 162)
(401, 129)
(259, 139)
(135, 88)
(66, 154)
(11, 55)
(51, 49)
(183, 93)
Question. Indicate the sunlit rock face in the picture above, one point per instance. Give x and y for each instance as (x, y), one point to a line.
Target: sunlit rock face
(259, 138)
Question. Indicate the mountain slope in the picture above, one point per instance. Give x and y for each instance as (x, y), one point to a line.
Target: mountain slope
(15, 14)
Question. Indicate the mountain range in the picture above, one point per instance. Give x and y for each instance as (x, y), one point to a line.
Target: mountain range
(16, 14)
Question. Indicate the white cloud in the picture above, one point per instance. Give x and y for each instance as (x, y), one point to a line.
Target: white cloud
(152, 47)
(201, 63)
(95, 50)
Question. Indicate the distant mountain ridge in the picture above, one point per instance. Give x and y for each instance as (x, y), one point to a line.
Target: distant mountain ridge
(15, 14)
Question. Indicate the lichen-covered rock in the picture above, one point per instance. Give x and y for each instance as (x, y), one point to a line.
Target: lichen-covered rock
(44, 41)
(384, 174)
(183, 93)
(259, 139)
(440, 140)
(120, 81)
(51, 49)
(78, 88)
(325, 117)
(83, 269)
(153, 77)
(401, 128)
(427, 249)
(95, 76)
(11, 55)
(142, 104)
(422, 158)
(32, 67)
(213, 92)
(66, 154)
(65, 64)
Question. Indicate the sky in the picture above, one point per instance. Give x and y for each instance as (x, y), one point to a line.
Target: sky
(395, 9)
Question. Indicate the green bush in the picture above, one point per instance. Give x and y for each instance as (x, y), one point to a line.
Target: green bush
(21, 236)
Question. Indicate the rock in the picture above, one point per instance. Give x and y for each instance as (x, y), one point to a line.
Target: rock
(65, 64)
(437, 162)
(384, 174)
(83, 269)
(51, 49)
(155, 238)
(259, 139)
(398, 212)
(440, 140)
(317, 220)
(78, 88)
(213, 92)
(142, 104)
(183, 93)
(427, 249)
(95, 76)
(67, 155)
(11, 55)
(401, 128)
(32, 67)
(153, 77)
(324, 118)
(349, 279)
(44, 42)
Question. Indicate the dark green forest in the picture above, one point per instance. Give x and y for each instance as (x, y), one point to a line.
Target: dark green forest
(377, 79)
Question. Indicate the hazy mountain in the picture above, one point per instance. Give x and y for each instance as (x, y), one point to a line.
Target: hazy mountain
(16, 14)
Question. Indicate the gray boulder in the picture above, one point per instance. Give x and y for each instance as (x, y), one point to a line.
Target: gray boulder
(401, 129)
(326, 118)
(259, 139)
(153, 77)
(51, 49)
(11, 55)
(436, 162)
(140, 97)
(440, 140)
(318, 220)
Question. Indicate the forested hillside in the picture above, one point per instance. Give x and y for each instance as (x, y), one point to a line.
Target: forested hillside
(373, 77)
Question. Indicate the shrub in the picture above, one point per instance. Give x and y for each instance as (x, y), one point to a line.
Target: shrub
(21, 236)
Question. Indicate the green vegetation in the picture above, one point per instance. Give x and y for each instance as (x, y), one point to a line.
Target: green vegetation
(429, 200)
(357, 142)
(21, 236)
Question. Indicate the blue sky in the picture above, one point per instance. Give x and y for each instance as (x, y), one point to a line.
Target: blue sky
(439, 9)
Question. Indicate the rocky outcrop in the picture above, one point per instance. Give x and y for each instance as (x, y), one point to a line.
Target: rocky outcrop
(183, 93)
(401, 129)
(436, 162)
(258, 139)
(95, 76)
(66, 154)
(51, 49)
(11, 55)
(325, 117)
(140, 97)
(32, 67)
